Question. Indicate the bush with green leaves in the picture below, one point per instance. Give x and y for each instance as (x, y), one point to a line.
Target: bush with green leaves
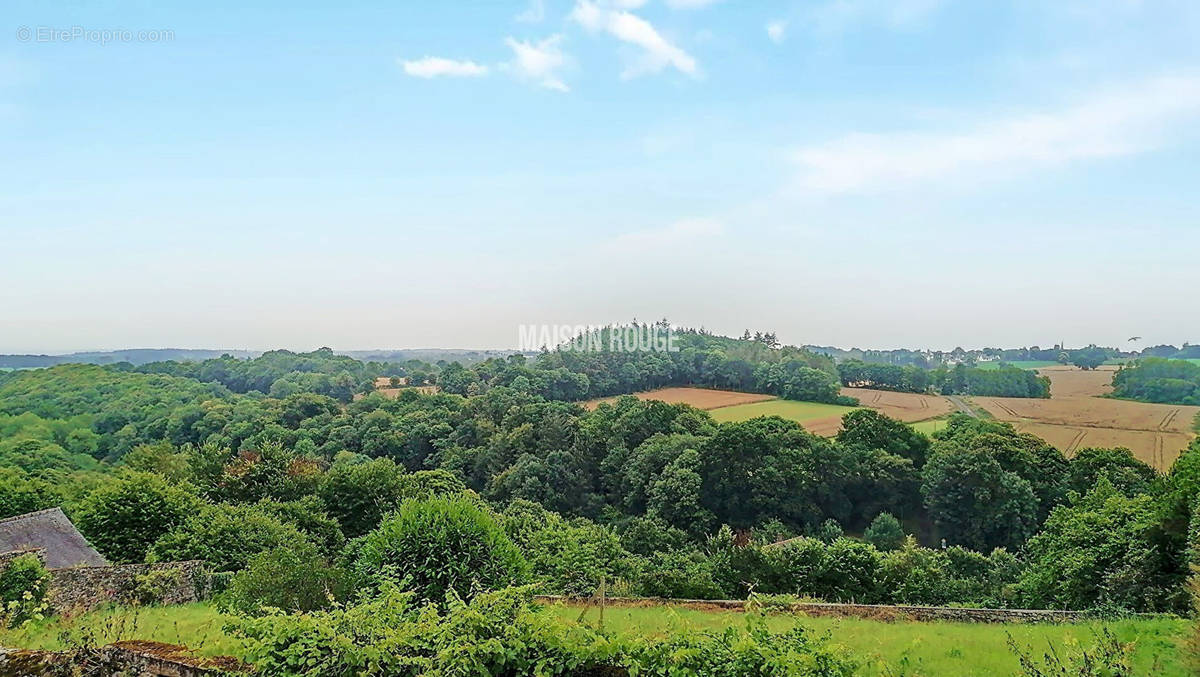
(226, 537)
(884, 532)
(122, 518)
(308, 515)
(440, 545)
(22, 590)
(294, 578)
(1105, 550)
(678, 574)
(502, 633)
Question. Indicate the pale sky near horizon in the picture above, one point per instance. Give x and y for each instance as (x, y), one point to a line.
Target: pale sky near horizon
(914, 173)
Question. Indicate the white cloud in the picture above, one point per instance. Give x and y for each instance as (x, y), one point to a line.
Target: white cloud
(776, 30)
(656, 51)
(538, 62)
(1119, 122)
(436, 66)
(690, 4)
(670, 238)
(535, 13)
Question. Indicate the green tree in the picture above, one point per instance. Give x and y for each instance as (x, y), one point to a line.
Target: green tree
(439, 545)
(20, 493)
(226, 537)
(1129, 475)
(123, 517)
(975, 502)
(1105, 549)
(885, 532)
(873, 430)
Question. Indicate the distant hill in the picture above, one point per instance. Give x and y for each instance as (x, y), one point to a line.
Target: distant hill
(135, 356)
(140, 356)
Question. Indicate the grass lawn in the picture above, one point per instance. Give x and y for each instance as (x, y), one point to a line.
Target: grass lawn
(196, 626)
(931, 426)
(790, 409)
(880, 648)
(900, 648)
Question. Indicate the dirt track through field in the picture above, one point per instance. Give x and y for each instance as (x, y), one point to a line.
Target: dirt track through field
(1077, 416)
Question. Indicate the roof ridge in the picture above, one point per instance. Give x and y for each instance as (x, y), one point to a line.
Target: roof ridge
(31, 514)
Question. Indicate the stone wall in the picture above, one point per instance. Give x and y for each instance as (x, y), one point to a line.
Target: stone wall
(143, 659)
(83, 588)
(7, 557)
(873, 611)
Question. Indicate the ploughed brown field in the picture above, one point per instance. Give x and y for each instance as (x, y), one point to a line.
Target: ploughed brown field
(1076, 417)
(700, 398)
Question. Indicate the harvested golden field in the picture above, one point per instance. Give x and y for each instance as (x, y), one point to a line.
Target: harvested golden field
(700, 398)
(1075, 382)
(1075, 417)
(817, 418)
(395, 392)
(907, 407)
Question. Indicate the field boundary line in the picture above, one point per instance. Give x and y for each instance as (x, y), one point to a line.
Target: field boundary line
(884, 612)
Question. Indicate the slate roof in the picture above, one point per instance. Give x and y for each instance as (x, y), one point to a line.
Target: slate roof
(49, 531)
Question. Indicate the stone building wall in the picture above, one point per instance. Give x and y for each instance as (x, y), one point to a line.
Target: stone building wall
(82, 588)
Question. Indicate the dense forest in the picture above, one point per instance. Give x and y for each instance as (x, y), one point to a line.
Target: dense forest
(1155, 379)
(1005, 381)
(658, 499)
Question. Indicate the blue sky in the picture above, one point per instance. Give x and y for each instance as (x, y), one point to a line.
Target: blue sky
(920, 173)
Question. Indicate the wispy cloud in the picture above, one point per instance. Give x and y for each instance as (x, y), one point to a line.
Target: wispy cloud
(777, 30)
(534, 13)
(539, 62)
(436, 66)
(656, 52)
(1118, 122)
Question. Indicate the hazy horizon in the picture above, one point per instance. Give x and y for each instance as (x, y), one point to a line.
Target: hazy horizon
(917, 173)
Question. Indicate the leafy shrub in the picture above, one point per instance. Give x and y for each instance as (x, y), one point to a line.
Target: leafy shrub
(502, 633)
(829, 531)
(678, 574)
(226, 536)
(22, 589)
(885, 532)
(308, 515)
(124, 517)
(1105, 549)
(440, 545)
(291, 579)
(359, 495)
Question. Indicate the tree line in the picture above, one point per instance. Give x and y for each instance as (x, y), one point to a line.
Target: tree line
(659, 497)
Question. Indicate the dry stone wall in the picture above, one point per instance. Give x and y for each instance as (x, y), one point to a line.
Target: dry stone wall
(84, 588)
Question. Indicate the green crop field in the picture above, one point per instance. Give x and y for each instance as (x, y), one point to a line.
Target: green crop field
(911, 648)
(789, 409)
(931, 426)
